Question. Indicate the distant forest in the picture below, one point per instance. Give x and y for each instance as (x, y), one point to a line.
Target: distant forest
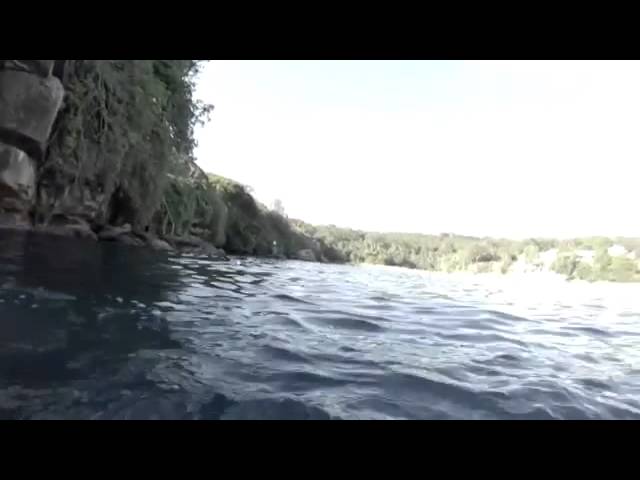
(225, 212)
(581, 258)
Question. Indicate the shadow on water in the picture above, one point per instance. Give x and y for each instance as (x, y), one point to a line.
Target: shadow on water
(83, 334)
(73, 312)
(103, 331)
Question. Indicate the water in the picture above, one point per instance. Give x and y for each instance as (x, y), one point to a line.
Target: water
(103, 331)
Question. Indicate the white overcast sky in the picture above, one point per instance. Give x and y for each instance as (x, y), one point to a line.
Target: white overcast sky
(524, 148)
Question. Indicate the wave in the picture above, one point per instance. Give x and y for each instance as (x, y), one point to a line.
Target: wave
(274, 409)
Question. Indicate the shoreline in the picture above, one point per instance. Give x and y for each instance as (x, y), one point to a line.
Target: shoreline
(193, 245)
(124, 235)
(539, 275)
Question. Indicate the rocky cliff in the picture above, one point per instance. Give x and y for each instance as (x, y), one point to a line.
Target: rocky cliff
(90, 148)
(103, 149)
(30, 98)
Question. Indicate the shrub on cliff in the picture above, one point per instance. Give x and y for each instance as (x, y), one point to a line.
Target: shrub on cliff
(251, 228)
(123, 127)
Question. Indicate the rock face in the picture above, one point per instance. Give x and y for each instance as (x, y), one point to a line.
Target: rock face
(14, 220)
(68, 227)
(195, 246)
(112, 233)
(158, 244)
(17, 179)
(47, 195)
(75, 201)
(42, 68)
(129, 239)
(29, 102)
(306, 255)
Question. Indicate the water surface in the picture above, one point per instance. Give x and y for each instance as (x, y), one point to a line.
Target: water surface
(102, 331)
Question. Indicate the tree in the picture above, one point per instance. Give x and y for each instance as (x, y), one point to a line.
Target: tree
(601, 263)
(278, 207)
(622, 269)
(531, 253)
(565, 264)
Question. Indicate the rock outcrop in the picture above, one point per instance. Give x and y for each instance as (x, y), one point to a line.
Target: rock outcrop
(17, 179)
(306, 255)
(112, 233)
(158, 244)
(103, 149)
(30, 98)
(65, 191)
(195, 246)
(29, 104)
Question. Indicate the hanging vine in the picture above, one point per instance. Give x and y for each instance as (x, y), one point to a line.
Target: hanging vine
(124, 126)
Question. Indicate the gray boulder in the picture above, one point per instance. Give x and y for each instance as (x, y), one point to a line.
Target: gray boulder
(42, 68)
(17, 179)
(158, 244)
(129, 239)
(69, 228)
(29, 103)
(153, 241)
(306, 255)
(110, 233)
(195, 246)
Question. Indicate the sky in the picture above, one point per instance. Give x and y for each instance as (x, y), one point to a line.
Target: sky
(489, 148)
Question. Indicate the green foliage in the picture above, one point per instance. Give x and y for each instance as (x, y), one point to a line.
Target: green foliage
(544, 244)
(251, 228)
(568, 246)
(601, 263)
(192, 205)
(506, 264)
(595, 243)
(606, 268)
(451, 253)
(565, 264)
(623, 270)
(584, 271)
(531, 253)
(123, 126)
(125, 134)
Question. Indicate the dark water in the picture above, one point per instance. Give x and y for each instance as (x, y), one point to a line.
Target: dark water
(99, 331)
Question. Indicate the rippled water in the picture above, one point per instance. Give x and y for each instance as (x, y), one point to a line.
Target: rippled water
(112, 332)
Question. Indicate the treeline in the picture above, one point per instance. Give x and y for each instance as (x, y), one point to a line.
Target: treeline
(225, 213)
(245, 226)
(450, 253)
(602, 267)
(121, 152)
(239, 224)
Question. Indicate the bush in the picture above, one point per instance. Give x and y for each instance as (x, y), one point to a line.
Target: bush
(584, 271)
(623, 269)
(565, 264)
(531, 253)
(124, 125)
(507, 261)
(601, 264)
